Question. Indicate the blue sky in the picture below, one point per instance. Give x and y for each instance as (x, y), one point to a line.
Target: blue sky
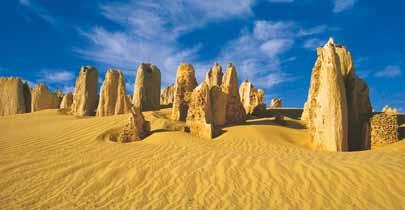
(271, 42)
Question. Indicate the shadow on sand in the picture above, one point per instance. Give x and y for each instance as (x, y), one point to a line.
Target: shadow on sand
(265, 121)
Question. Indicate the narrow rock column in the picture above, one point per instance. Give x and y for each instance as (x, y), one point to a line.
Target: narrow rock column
(185, 84)
(67, 101)
(113, 99)
(235, 112)
(147, 87)
(85, 97)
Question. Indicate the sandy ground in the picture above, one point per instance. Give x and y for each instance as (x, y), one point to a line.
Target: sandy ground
(49, 160)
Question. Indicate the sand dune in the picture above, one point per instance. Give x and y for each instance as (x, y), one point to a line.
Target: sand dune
(49, 160)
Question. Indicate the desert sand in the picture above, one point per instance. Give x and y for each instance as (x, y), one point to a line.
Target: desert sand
(50, 160)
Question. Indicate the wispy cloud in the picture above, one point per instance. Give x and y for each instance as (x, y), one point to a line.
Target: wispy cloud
(55, 76)
(342, 5)
(40, 11)
(313, 43)
(389, 72)
(151, 32)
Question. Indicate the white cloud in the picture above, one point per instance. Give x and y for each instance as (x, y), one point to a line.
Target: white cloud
(275, 47)
(313, 31)
(55, 76)
(342, 5)
(40, 11)
(313, 43)
(389, 72)
(168, 19)
(151, 31)
(258, 54)
(264, 30)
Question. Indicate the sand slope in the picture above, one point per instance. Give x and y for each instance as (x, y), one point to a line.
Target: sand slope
(52, 161)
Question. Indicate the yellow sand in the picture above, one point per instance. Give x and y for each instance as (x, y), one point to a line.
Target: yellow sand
(53, 161)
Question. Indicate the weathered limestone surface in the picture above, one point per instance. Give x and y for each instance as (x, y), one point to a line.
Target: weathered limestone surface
(185, 84)
(276, 103)
(59, 94)
(167, 95)
(338, 94)
(384, 129)
(113, 98)
(218, 105)
(147, 87)
(85, 97)
(12, 99)
(199, 116)
(326, 110)
(235, 113)
(214, 75)
(66, 101)
(42, 98)
(27, 97)
(251, 97)
(136, 129)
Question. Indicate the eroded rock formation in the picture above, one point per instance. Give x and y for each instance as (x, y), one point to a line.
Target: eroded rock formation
(235, 113)
(167, 95)
(384, 129)
(199, 116)
(27, 97)
(218, 105)
(59, 94)
(276, 103)
(113, 98)
(66, 101)
(214, 75)
(147, 87)
(136, 129)
(251, 98)
(42, 98)
(338, 107)
(185, 83)
(85, 97)
(12, 100)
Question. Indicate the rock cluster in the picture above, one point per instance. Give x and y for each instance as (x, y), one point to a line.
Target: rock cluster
(276, 103)
(66, 101)
(199, 116)
(147, 87)
(136, 129)
(167, 95)
(13, 96)
(113, 98)
(384, 129)
(338, 107)
(85, 97)
(214, 75)
(251, 97)
(42, 98)
(235, 113)
(185, 83)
